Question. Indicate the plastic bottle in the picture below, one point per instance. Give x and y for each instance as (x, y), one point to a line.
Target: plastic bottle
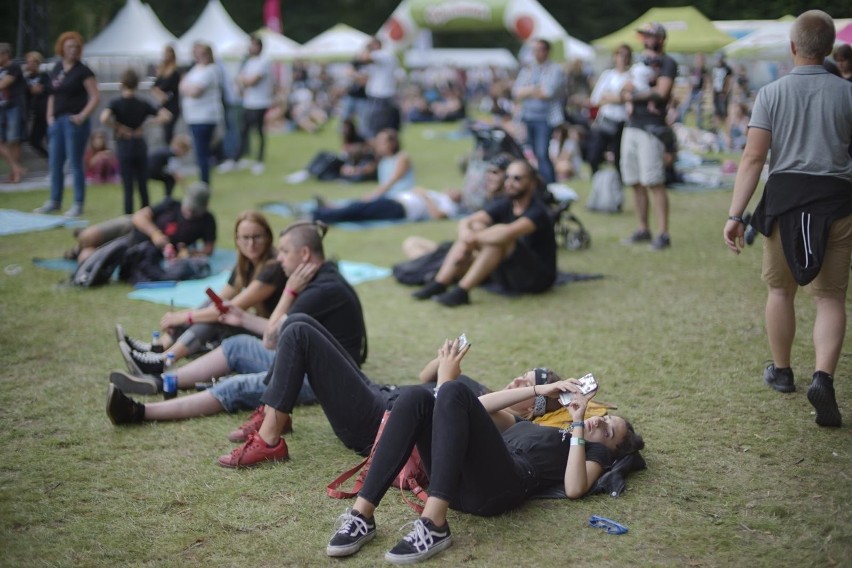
(156, 346)
(169, 377)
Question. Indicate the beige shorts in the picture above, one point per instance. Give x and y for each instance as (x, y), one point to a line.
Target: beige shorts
(642, 158)
(114, 228)
(833, 278)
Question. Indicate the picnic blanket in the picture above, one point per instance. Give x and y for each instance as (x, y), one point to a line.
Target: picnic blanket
(187, 294)
(14, 222)
(221, 260)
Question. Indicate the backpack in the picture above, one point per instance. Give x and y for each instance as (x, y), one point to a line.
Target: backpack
(420, 270)
(607, 193)
(412, 476)
(98, 268)
(325, 166)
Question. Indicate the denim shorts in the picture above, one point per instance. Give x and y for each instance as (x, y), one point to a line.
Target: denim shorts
(246, 354)
(11, 127)
(243, 392)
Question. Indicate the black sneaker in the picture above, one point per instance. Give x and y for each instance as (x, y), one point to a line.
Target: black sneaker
(352, 532)
(661, 241)
(639, 236)
(424, 541)
(779, 379)
(136, 384)
(433, 288)
(122, 409)
(141, 362)
(455, 297)
(133, 343)
(821, 397)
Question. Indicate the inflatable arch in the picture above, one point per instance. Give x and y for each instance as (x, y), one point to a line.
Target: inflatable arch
(525, 19)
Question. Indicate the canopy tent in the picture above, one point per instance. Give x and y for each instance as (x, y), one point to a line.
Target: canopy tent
(278, 47)
(462, 58)
(134, 32)
(770, 42)
(740, 28)
(687, 31)
(215, 27)
(339, 43)
(526, 19)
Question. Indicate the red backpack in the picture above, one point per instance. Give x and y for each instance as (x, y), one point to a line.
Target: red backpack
(413, 475)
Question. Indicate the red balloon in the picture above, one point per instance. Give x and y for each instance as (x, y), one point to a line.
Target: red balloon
(395, 30)
(524, 27)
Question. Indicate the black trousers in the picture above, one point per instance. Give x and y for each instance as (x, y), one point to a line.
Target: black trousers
(599, 143)
(133, 162)
(468, 462)
(252, 119)
(353, 405)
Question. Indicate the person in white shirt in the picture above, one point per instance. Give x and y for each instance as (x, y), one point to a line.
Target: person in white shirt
(606, 130)
(201, 105)
(255, 82)
(381, 110)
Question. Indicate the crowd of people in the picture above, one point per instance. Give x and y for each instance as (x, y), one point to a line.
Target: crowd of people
(288, 329)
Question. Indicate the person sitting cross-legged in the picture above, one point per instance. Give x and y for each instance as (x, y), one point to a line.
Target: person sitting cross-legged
(511, 241)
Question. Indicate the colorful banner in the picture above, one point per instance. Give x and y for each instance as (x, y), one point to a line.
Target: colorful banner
(459, 15)
(272, 15)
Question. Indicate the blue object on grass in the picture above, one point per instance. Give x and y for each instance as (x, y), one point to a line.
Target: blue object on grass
(610, 526)
(156, 284)
(13, 222)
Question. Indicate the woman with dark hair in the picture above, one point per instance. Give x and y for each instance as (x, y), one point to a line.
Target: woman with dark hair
(256, 284)
(74, 96)
(165, 90)
(481, 459)
(605, 134)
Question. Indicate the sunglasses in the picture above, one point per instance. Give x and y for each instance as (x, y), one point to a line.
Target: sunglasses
(610, 526)
(251, 238)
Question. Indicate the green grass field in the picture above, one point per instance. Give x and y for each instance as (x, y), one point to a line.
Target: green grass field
(738, 475)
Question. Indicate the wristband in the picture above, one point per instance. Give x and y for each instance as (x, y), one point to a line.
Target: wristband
(578, 441)
(291, 292)
(736, 218)
(578, 424)
(189, 318)
(534, 393)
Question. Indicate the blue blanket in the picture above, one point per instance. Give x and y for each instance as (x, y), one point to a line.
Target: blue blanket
(190, 293)
(220, 260)
(13, 222)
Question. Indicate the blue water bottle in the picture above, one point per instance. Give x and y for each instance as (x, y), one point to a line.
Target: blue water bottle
(169, 377)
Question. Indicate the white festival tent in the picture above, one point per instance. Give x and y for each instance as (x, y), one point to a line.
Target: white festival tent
(278, 47)
(771, 41)
(216, 28)
(134, 32)
(460, 57)
(339, 43)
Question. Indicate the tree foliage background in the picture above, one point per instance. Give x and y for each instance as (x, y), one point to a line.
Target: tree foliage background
(304, 19)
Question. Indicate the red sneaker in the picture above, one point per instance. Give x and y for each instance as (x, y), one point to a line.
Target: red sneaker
(255, 452)
(252, 425)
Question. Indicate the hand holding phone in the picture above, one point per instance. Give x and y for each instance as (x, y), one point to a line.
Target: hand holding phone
(462, 342)
(217, 301)
(587, 384)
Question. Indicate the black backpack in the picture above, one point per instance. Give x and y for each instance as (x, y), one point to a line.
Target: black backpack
(99, 267)
(422, 269)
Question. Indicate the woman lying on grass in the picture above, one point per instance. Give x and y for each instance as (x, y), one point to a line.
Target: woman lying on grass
(481, 459)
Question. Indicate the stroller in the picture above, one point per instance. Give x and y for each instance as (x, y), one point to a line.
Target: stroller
(490, 141)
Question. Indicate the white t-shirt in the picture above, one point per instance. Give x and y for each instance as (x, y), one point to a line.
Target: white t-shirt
(417, 210)
(610, 83)
(207, 107)
(381, 75)
(259, 95)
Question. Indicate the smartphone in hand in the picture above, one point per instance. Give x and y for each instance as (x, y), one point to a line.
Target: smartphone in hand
(217, 301)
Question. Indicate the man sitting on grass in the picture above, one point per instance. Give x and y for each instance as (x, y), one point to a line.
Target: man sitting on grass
(511, 241)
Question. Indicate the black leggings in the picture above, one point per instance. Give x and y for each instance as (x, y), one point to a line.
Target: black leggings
(468, 462)
(133, 163)
(353, 405)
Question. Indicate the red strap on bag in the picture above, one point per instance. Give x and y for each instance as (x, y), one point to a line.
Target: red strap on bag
(412, 476)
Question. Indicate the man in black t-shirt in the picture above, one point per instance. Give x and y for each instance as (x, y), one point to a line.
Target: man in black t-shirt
(511, 241)
(172, 225)
(13, 92)
(649, 92)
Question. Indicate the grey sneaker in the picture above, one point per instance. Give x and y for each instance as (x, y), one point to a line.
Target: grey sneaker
(424, 541)
(779, 379)
(48, 207)
(821, 396)
(75, 211)
(661, 241)
(639, 236)
(136, 384)
(352, 531)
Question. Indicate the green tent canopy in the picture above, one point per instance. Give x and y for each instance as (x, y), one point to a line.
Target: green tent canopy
(687, 31)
